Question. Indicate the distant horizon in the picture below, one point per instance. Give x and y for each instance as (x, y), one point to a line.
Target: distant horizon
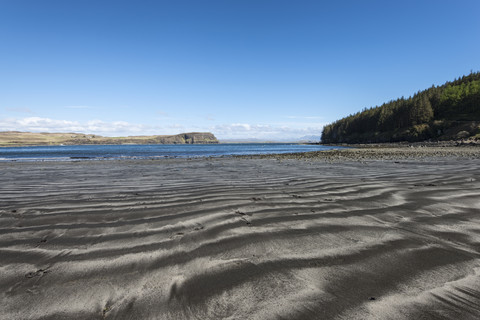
(268, 70)
(239, 140)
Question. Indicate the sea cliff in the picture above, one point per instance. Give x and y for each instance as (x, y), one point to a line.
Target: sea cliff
(16, 138)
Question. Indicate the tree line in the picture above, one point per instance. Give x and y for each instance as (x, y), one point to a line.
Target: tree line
(425, 115)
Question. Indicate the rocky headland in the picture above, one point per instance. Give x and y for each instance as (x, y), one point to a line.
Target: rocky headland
(16, 138)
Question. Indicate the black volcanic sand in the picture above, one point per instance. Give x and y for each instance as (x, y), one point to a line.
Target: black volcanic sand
(241, 239)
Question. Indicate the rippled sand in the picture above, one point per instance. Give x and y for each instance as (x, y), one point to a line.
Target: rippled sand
(240, 239)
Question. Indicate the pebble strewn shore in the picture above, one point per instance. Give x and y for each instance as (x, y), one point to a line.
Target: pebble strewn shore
(382, 153)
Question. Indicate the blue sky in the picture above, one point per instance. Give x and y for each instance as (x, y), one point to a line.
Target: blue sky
(238, 68)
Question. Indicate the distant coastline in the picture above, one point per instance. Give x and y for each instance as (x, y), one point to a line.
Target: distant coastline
(22, 139)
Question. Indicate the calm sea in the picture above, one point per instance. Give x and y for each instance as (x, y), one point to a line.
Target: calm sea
(106, 152)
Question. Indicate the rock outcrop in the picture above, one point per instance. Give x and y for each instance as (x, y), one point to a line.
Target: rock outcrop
(187, 138)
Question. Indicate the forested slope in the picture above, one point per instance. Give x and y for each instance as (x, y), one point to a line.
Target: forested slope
(449, 111)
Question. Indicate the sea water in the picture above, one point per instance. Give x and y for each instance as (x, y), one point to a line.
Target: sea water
(153, 151)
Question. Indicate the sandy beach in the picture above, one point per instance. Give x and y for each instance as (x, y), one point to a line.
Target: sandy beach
(356, 234)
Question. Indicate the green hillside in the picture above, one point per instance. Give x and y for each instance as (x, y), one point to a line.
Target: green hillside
(446, 112)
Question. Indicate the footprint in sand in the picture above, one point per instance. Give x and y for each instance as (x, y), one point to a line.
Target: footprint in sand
(247, 221)
(38, 273)
(199, 227)
(243, 213)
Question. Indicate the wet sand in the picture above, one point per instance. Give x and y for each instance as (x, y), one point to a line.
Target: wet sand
(275, 238)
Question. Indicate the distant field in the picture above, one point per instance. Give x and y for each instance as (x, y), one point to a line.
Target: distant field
(15, 138)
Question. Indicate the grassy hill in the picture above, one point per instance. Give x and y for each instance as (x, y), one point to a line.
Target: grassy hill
(447, 112)
(16, 138)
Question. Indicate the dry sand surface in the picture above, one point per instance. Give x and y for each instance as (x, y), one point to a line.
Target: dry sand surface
(241, 239)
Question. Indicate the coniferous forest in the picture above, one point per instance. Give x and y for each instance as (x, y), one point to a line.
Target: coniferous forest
(446, 112)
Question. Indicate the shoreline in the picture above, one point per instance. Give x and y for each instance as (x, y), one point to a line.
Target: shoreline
(381, 152)
(364, 152)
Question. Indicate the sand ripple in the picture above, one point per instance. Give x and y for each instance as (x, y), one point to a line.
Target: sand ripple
(240, 239)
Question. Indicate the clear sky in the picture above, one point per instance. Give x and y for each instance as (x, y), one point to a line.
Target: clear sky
(238, 68)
